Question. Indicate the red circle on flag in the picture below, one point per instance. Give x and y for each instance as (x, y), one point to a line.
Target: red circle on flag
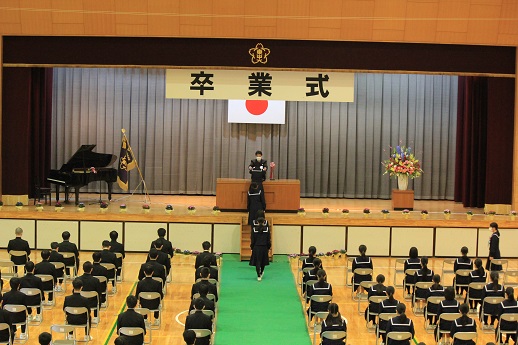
(256, 107)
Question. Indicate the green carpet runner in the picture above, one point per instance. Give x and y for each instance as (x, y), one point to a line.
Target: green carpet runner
(266, 312)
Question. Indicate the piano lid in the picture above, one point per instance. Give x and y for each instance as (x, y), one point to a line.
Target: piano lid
(84, 158)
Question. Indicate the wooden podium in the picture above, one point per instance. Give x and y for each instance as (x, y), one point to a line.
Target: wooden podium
(281, 195)
(402, 199)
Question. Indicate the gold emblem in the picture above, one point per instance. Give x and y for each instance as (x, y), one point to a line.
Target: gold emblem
(259, 54)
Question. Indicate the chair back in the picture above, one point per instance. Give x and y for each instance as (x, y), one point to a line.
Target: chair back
(143, 311)
(400, 261)
(435, 299)
(334, 335)
(377, 299)
(7, 264)
(493, 300)
(511, 317)
(511, 274)
(150, 296)
(448, 317)
(399, 336)
(64, 329)
(301, 260)
(4, 327)
(322, 315)
(310, 282)
(367, 284)
(109, 267)
(477, 286)
(386, 316)
(30, 292)
(45, 278)
(202, 333)
(130, 331)
(423, 285)
(363, 271)
(158, 279)
(15, 308)
(58, 265)
(102, 279)
(463, 273)
(68, 255)
(76, 310)
(465, 336)
(204, 311)
(18, 253)
(321, 298)
(118, 255)
(411, 271)
(90, 294)
(307, 269)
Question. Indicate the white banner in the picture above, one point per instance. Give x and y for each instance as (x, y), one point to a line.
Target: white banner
(256, 111)
(260, 84)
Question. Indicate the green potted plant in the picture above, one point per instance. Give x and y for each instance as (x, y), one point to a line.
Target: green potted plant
(325, 212)
(39, 206)
(469, 215)
(19, 205)
(216, 210)
(169, 209)
(424, 214)
(385, 213)
(81, 207)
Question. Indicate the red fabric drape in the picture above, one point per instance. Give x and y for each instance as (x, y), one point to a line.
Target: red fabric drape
(470, 167)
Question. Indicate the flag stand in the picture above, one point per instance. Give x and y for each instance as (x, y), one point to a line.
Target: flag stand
(142, 182)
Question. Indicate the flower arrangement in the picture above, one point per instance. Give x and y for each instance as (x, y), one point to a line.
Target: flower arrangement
(1, 203)
(58, 207)
(469, 213)
(216, 210)
(122, 206)
(19, 203)
(191, 209)
(39, 206)
(513, 213)
(405, 211)
(345, 210)
(385, 211)
(103, 205)
(424, 214)
(402, 162)
(81, 207)
(169, 207)
(491, 213)
(146, 207)
(343, 251)
(446, 211)
(187, 252)
(366, 211)
(325, 210)
(301, 212)
(272, 169)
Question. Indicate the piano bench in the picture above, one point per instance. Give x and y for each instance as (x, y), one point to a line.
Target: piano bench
(40, 192)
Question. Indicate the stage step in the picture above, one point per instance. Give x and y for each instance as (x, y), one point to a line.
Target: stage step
(246, 252)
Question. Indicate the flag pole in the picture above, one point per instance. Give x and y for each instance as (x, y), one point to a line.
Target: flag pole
(146, 193)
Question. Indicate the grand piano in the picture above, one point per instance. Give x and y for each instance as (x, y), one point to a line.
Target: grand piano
(82, 168)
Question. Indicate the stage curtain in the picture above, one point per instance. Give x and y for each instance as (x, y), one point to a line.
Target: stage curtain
(335, 149)
(470, 176)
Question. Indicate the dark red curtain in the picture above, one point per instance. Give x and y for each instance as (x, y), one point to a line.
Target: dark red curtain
(470, 167)
(26, 128)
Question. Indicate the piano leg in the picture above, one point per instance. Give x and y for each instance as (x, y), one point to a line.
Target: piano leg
(109, 191)
(57, 192)
(67, 191)
(76, 191)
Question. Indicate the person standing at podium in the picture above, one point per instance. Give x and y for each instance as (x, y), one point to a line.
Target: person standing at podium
(257, 169)
(255, 202)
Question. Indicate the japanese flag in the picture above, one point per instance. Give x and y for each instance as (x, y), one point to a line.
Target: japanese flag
(256, 111)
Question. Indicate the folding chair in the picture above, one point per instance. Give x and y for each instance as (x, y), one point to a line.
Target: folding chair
(9, 265)
(91, 295)
(305, 296)
(206, 312)
(451, 317)
(509, 318)
(19, 254)
(17, 308)
(152, 296)
(376, 300)
(3, 327)
(335, 335)
(47, 279)
(304, 271)
(447, 263)
(502, 262)
(80, 311)
(462, 273)
(363, 296)
(429, 328)
(465, 336)
(164, 288)
(61, 266)
(488, 300)
(202, 333)
(169, 277)
(209, 296)
(384, 317)
(419, 285)
(398, 262)
(472, 287)
(65, 330)
(71, 268)
(131, 331)
(321, 315)
(147, 317)
(33, 292)
(318, 299)
(299, 269)
(361, 272)
(348, 270)
(120, 277)
(410, 272)
(104, 281)
(111, 267)
(399, 336)
(513, 275)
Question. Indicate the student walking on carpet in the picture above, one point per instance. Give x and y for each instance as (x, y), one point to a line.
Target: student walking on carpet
(261, 244)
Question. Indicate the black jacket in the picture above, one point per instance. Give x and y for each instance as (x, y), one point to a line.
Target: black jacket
(45, 267)
(162, 259)
(214, 273)
(158, 270)
(19, 244)
(69, 247)
(209, 305)
(5, 317)
(31, 281)
(90, 283)
(131, 318)
(333, 325)
(457, 326)
(259, 169)
(76, 300)
(200, 258)
(18, 298)
(166, 248)
(198, 320)
(397, 324)
(261, 237)
(213, 289)
(149, 285)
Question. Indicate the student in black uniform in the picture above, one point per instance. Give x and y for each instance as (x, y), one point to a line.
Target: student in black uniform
(90, 283)
(78, 301)
(387, 306)
(257, 169)
(312, 274)
(148, 284)
(261, 244)
(479, 275)
(167, 245)
(198, 320)
(308, 262)
(162, 257)
(463, 324)
(362, 261)
(492, 289)
(203, 290)
(117, 247)
(214, 273)
(333, 322)
(423, 275)
(400, 323)
(130, 318)
(376, 290)
(158, 269)
(508, 306)
(462, 263)
(19, 244)
(494, 248)
(206, 253)
(322, 287)
(5, 317)
(433, 291)
(68, 247)
(44, 338)
(55, 256)
(448, 306)
(46, 268)
(99, 270)
(205, 273)
(412, 263)
(31, 281)
(120, 340)
(255, 202)
(189, 336)
(14, 296)
(107, 257)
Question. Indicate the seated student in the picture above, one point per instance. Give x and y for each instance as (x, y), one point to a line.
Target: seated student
(204, 276)
(189, 336)
(5, 317)
(44, 338)
(120, 340)
(423, 275)
(167, 245)
(387, 306)
(508, 306)
(90, 283)
(400, 323)
(31, 281)
(99, 270)
(56, 256)
(15, 297)
(376, 290)
(158, 269)
(46, 268)
(130, 318)
(361, 261)
(117, 247)
(148, 284)
(68, 247)
(107, 257)
(462, 263)
(479, 275)
(333, 322)
(200, 257)
(448, 306)
(319, 288)
(19, 244)
(198, 320)
(162, 257)
(436, 290)
(203, 291)
(308, 262)
(463, 324)
(78, 301)
(412, 263)
(214, 273)
(492, 289)
(312, 274)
